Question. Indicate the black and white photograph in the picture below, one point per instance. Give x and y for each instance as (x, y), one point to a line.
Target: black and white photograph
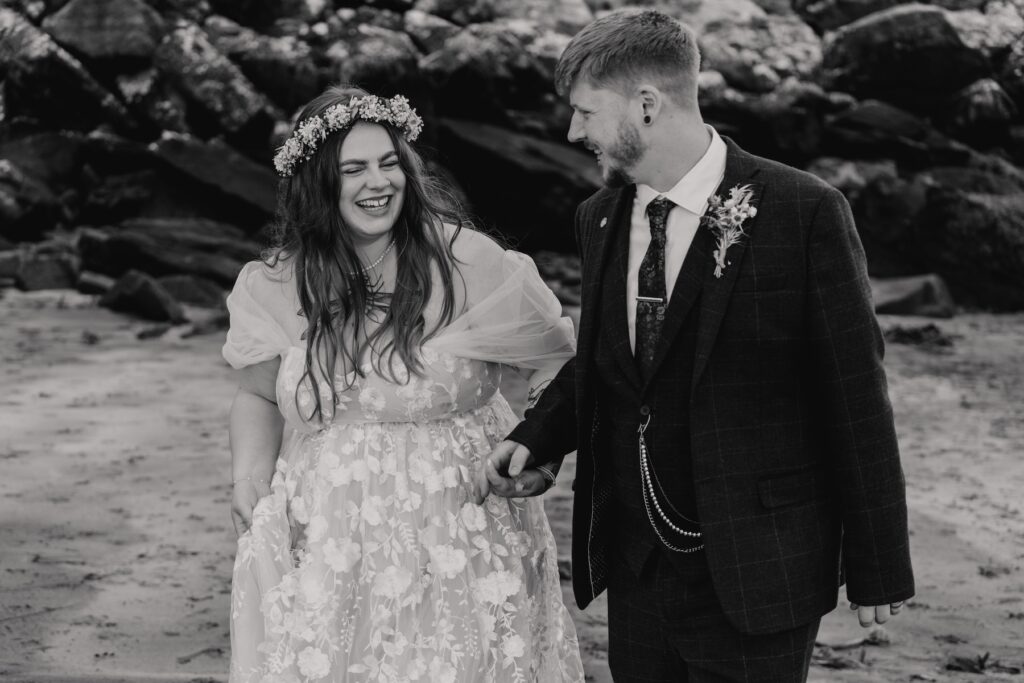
(511, 341)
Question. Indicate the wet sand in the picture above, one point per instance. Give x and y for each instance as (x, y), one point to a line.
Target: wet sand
(116, 544)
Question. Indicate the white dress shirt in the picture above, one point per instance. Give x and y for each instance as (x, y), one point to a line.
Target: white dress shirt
(690, 196)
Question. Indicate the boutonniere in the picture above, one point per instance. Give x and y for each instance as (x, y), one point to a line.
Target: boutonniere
(725, 217)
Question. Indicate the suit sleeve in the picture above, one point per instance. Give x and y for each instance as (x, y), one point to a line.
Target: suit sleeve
(549, 428)
(846, 350)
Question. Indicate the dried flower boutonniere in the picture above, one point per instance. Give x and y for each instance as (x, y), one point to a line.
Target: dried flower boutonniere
(726, 217)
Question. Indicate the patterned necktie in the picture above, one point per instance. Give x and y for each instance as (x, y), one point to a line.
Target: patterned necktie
(652, 299)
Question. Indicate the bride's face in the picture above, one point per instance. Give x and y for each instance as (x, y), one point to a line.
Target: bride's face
(372, 182)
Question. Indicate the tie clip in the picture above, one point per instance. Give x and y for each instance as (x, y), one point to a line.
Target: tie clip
(652, 299)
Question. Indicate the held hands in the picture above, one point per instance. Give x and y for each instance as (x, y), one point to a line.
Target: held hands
(507, 472)
(878, 614)
(244, 496)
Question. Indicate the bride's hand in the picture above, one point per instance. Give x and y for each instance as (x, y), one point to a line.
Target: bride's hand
(507, 472)
(244, 496)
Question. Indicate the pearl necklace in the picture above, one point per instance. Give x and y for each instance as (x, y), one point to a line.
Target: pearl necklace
(379, 260)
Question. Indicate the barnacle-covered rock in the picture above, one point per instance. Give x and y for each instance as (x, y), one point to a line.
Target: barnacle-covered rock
(42, 81)
(911, 55)
(107, 29)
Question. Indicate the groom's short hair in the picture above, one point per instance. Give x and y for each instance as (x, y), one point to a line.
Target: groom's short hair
(627, 46)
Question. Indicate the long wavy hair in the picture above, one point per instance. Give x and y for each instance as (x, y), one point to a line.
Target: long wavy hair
(311, 233)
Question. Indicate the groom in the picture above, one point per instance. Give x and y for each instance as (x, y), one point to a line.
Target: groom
(736, 449)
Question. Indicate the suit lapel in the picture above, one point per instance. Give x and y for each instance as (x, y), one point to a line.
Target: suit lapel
(605, 219)
(614, 322)
(739, 169)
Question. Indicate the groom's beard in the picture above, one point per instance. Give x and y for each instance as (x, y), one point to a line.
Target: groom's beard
(623, 156)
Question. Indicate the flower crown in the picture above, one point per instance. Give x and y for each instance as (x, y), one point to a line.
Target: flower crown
(314, 130)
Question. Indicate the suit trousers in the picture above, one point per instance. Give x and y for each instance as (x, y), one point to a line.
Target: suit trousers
(667, 627)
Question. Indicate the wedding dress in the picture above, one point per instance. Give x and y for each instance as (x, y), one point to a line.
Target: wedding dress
(369, 560)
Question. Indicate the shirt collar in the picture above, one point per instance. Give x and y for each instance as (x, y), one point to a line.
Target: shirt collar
(693, 189)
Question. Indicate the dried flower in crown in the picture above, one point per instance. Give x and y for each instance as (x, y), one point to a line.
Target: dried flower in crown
(314, 130)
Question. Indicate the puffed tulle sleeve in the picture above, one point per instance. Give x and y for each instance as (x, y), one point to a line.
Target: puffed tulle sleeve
(512, 317)
(261, 312)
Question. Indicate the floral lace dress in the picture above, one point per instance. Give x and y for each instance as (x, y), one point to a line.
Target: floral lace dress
(369, 560)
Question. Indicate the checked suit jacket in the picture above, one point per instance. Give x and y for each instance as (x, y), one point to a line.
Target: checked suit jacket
(795, 465)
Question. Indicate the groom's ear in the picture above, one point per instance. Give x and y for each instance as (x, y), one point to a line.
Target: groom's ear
(651, 100)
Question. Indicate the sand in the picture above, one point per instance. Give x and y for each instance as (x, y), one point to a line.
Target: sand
(116, 544)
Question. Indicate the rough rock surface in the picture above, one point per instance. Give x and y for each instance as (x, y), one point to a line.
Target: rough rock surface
(379, 59)
(221, 168)
(37, 72)
(910, 55)
(139, 294)
(428, 31)
(535, 185)
(922, 295)
(209, 79)
(282, 67)
(28, 209)
(107, 29)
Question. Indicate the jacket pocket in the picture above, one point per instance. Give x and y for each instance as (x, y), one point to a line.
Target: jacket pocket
(763, 281)
(790, 488)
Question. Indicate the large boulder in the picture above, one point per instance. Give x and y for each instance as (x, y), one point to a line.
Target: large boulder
(976, 242)
(884, 207)
(261, 14)
(993, 31)
(982, 114)
(787, 124)
(758, 53)
(911, 55)
(378, 59)
(876, 129)
(53, 158)
(211, 82)
(152, 99)
(428, 31)
(46, 271)
(828, 15)
(562, 16)
(196, 233)
(107, 29)
(141, 295)
(487, 69)
(190, 10)
(193, 290)
(38, 74)
(922, 295)
(166, 248)
(461, 12)
(221, 168)
(283, 67)
(28, 209)
(1011, 75)
(527, 187)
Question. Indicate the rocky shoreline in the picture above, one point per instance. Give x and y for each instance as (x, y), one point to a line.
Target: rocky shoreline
(138, 135)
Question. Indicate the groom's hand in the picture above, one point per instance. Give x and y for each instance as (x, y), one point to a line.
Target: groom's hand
(506, 472)
(876, 614)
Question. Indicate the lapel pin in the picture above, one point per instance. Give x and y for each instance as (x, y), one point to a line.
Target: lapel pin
(604, 221)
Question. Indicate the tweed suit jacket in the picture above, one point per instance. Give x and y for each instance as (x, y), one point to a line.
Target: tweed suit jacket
(795, 462)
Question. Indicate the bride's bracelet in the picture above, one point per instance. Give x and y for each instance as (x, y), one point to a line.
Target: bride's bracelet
(250, 478)
(549, 474)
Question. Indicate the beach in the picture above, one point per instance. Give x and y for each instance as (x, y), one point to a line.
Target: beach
(116, 543)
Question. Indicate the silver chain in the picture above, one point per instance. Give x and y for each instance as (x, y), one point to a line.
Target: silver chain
(651, 499)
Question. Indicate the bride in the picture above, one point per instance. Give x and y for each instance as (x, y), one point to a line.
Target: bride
(371, 344)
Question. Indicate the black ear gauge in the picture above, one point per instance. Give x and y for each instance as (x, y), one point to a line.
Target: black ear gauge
(647, 120)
